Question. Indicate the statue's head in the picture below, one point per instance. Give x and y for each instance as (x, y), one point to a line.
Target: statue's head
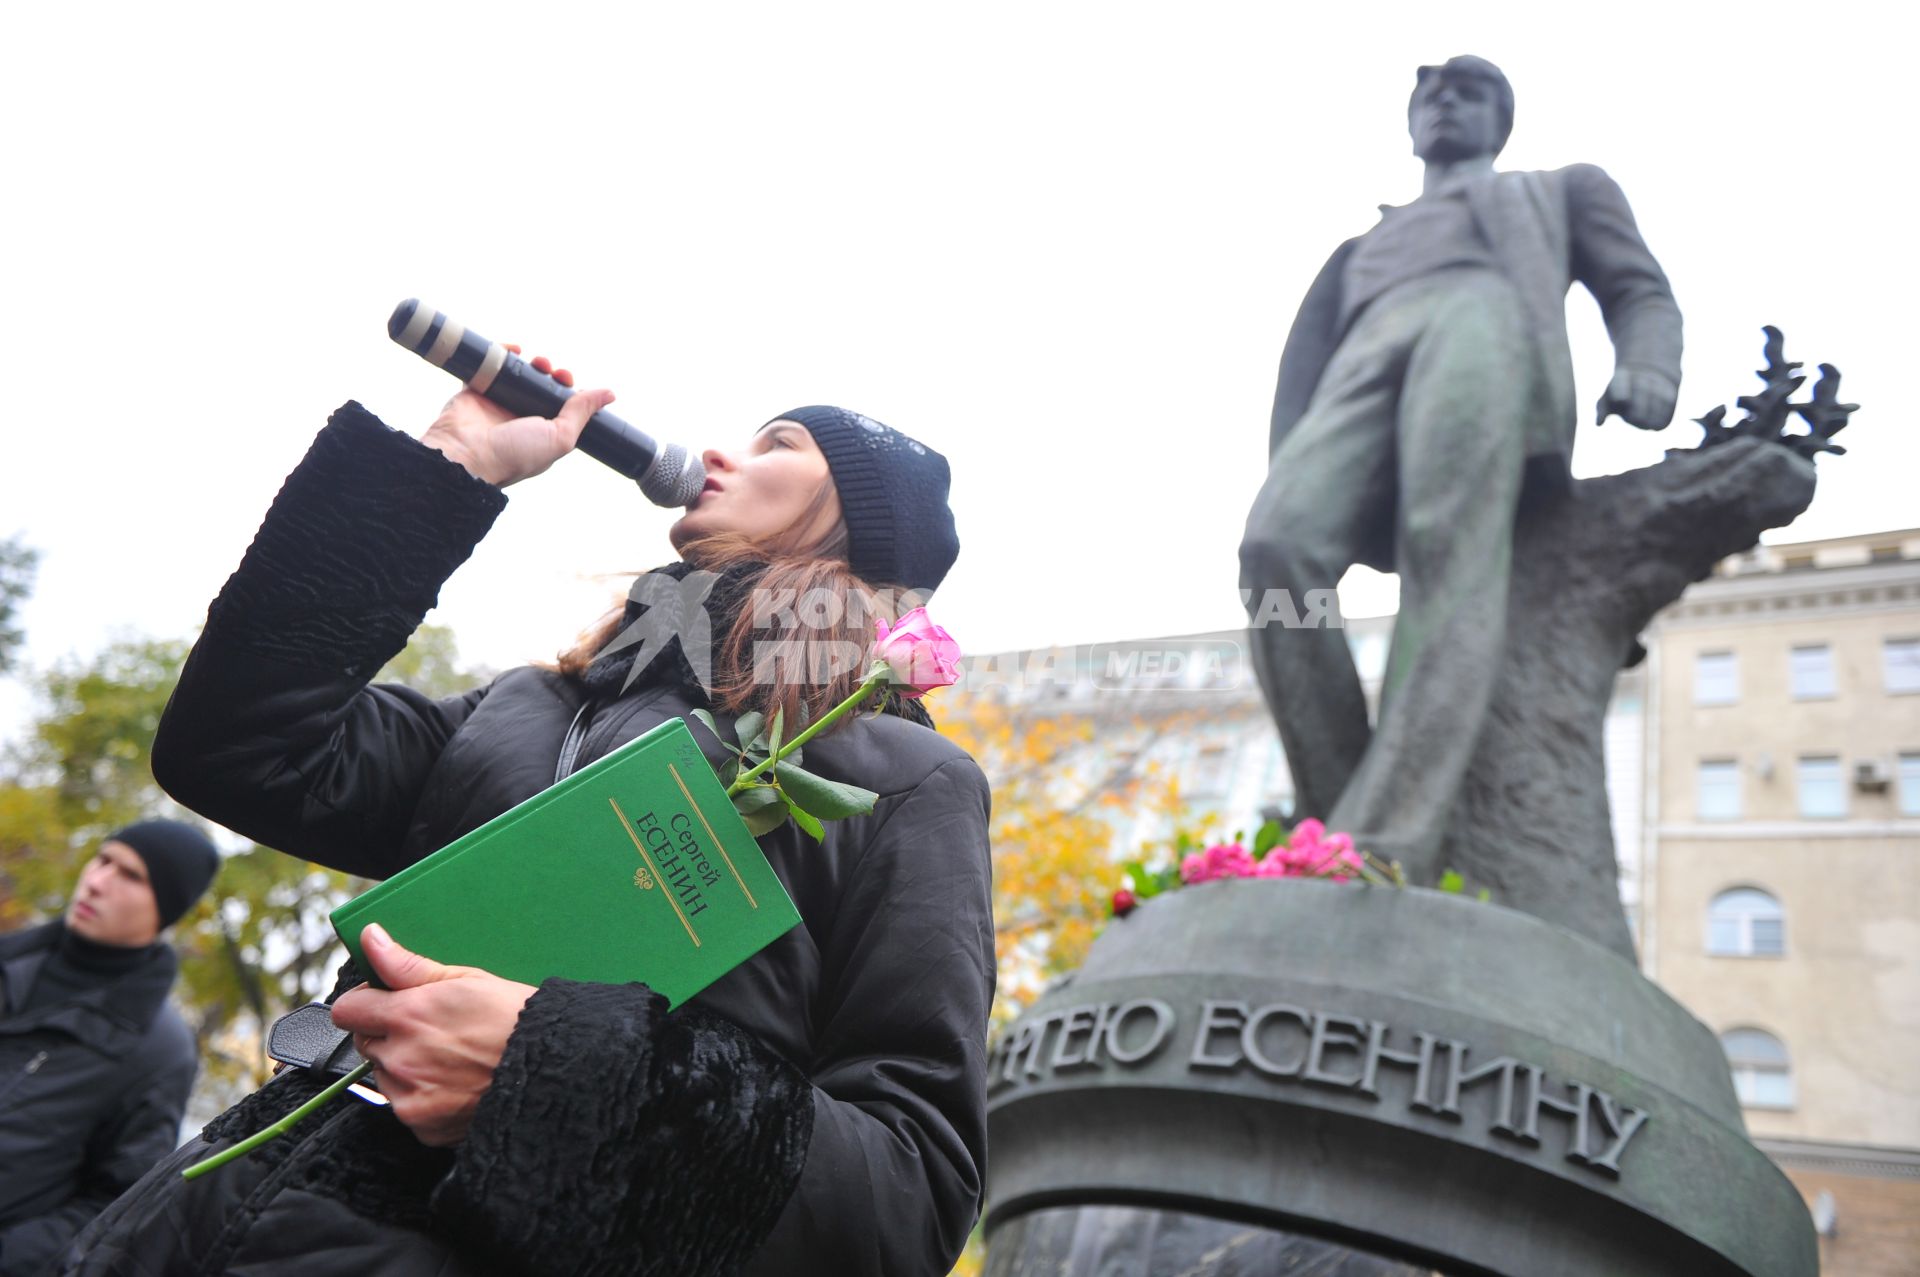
(1459, 109)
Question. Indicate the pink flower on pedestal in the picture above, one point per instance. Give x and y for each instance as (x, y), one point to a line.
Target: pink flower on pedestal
(1222, 860)
(1310, 852)
(1230, 860)
(1275, 865)
(1334, 856)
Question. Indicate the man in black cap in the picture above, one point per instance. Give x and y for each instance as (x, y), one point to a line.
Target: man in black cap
(95, 1067)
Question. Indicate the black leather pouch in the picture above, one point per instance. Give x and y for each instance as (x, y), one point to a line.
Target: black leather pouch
(306, 1038)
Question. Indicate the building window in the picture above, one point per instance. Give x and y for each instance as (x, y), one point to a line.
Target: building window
(1746, 923)
(1716, 679)
(1909, 782)
(1719, 792)
(1901, 659)
(1823, 790)
(1762, 1077)
(1812, 672)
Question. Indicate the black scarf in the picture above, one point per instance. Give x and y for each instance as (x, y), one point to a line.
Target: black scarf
(77, 965)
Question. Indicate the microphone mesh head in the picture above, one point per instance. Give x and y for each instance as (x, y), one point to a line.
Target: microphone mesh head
(675, 478)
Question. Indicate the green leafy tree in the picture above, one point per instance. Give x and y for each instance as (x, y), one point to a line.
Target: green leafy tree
(17, 564)
(260, 943)
(36, 873)
(95, 740)
(1061, 781)
(82, 771)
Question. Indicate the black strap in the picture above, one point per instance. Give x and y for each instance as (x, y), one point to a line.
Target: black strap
(575, 737)
(306, 1038)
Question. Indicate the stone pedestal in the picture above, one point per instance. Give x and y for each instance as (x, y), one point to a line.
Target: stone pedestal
(1430, 1080)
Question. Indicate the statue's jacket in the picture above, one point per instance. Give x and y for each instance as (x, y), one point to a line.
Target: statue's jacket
(818, 1110)
(1546, 230)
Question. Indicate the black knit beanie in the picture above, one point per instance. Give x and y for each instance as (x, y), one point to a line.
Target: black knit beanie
(893, 495)
(181, 862)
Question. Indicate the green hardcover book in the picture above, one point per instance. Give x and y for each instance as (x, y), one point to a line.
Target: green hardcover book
(636, 867)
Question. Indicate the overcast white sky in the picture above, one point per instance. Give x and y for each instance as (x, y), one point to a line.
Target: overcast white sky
(1060, 242)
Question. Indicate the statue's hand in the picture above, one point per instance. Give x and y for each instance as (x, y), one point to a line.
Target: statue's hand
(1639, 398)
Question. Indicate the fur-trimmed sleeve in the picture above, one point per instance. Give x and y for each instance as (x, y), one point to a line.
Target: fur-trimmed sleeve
(621, 1139)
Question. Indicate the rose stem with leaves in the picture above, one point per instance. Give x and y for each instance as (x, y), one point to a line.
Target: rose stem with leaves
(813, 729)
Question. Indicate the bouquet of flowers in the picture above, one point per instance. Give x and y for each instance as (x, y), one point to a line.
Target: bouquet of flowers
(1307, 850)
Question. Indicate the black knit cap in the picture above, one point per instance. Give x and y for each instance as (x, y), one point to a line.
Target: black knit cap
(893, 495)
(181, 862)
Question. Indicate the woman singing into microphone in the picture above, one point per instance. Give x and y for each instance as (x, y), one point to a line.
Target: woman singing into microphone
(818, 1110)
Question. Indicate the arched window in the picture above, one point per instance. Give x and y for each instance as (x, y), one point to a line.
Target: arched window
(1746, 923)
(1762, 1078)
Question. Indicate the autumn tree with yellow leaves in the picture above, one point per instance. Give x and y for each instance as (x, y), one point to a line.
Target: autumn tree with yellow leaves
(1066, 787)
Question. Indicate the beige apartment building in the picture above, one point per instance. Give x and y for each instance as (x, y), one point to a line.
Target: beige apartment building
(1780, 865)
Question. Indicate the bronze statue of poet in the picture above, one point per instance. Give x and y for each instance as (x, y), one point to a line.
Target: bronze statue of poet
(1426, 382)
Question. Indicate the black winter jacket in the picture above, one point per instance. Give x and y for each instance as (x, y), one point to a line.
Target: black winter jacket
(91, 1093)
(820, 1109)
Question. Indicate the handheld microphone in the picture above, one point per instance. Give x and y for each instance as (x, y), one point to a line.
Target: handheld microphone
(666, 473)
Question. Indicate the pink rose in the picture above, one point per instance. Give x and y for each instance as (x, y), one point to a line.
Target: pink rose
(1312, 852)
(1194, 868)
(1334, 856)
(920, 655)
(1333, 846)
(1275, 865)
(1124, 903)
(1347, 861)
(1229, 860)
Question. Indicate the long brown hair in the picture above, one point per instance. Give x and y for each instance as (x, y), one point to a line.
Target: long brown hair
(798, 643)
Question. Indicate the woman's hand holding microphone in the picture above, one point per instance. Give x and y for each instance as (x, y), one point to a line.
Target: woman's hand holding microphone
(502, 449)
